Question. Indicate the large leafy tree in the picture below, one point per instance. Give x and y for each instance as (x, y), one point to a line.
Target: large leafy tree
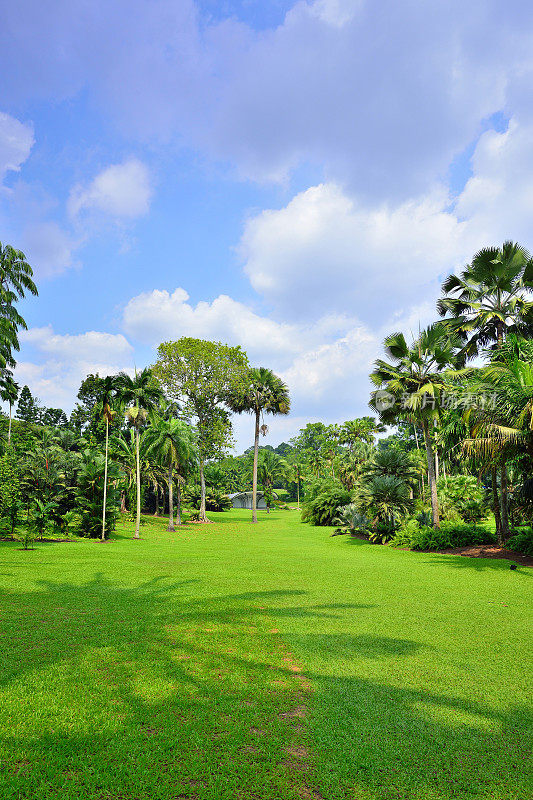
(27, 409)
(491, 295)
(200, 375)
(262, 393)
(171, 440)
(411, 383)
(140, 394)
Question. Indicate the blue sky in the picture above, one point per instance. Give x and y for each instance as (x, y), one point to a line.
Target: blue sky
(295, 177)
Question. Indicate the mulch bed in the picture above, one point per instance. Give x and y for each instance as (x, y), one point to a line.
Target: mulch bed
(489, 551)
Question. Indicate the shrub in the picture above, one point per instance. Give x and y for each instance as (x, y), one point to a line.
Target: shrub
(215, 499)
(351, 520)
(423, 537)
(322, 501)
(382, 533)
(522, 542)
(461, 498)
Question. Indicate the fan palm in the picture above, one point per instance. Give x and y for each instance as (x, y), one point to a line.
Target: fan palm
(265, 393)
(392, 462)
(172, 440)
(491, 294)
(412, 382)
(140, 394)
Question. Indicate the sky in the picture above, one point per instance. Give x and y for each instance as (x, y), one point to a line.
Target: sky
(294, 177)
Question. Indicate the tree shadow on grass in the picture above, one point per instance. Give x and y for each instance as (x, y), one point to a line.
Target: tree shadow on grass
(144, 693)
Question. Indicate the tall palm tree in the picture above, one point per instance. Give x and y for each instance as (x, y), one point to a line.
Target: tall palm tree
(16, 278)
(492, 294)
(9, 392)
(140, 394)
(265, 393)
(108, 388)
(413, 381)
(172, 440)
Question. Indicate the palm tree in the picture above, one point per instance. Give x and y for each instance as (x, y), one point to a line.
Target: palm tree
(9, 392)
(271, 469)
(392, 462)
(141, 395)
(412, 383)
(107, 393)
(491, 295)
(16, 278)
(172, 440)
(265, 393)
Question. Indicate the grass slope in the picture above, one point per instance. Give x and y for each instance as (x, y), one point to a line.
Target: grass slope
(261, 662)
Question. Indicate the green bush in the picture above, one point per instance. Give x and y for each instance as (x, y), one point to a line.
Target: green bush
(522, 542)
(461, 497)
(323, 500)
(215, 499)
(424, 537)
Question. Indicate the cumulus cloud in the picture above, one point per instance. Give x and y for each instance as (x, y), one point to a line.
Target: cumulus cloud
(48, 247)
(54, 365)
(121, 191)
(380, 95)
(16, 141)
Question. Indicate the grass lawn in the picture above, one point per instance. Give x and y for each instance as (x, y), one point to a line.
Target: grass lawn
(261, 662)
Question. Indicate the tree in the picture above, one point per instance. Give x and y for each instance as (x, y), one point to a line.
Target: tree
(392, 462)
(9, 392)
(171, 440)
(491, 294)
(359, 430)
(263, 393)
(200, 375)
(141, 395)
(271, 469)
(411, 384)
(16, 278)
(27, 410)
(107, 391)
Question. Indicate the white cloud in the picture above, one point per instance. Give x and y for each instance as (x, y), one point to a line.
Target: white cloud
(54, 365)
(16, 141)
(121, 191)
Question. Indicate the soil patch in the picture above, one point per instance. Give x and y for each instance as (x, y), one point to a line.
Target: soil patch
(489, 551)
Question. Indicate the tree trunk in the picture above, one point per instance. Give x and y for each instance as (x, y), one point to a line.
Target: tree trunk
(105, 477)
(504, 503)
(496, 503)
(203, 517)
(298, 488)
(138, 480)
(9, 429)
(436, 452)
(156, 494)
(178, 489)
(254, 478)
(170, 526)
(431, 475)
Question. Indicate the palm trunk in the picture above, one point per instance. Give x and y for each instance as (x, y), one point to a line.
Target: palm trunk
(496, 504)
(156, 493)
(170, 501)
(9, 429)
(178, 489)
(203, 517)
(298, 488)
(138, 479)
(105, 477)
(431, 475)
(254, 478)
(504, 503)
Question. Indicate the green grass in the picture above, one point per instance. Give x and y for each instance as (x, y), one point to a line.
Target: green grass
(169, 668)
